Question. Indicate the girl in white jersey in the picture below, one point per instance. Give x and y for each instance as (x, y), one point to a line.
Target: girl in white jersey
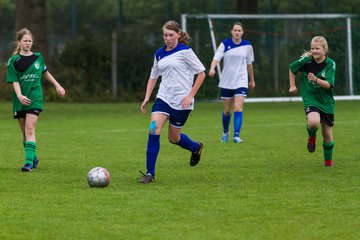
(234, 82)
(177, 64)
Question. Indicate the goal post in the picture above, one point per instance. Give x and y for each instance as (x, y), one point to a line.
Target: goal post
(345, 19)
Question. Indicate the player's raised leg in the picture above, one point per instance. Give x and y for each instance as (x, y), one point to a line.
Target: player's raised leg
(313, 121)
(175, 136)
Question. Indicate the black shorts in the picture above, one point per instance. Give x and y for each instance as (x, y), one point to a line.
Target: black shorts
(22, 114)
(324, 117)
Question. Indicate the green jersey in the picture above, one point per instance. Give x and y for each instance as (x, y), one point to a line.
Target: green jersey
(311, 93)
(27, 71)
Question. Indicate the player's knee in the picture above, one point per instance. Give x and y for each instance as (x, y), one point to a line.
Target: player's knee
(313, 123)
(152, 128)
(29, 130)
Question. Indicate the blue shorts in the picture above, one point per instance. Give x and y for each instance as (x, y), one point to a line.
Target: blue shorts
(177, 118)
(231, 93)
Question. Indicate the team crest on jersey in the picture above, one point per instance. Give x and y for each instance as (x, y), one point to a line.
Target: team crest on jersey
(37, 65)
(228, 47)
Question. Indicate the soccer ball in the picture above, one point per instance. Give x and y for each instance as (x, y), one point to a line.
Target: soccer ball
(98, 177)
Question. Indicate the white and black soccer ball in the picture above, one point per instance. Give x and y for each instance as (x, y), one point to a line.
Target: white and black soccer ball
(98, 177)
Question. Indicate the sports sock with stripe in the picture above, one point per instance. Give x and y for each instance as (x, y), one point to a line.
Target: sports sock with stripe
(24, 142)
(238, 117)
(328, 150)
(312, 133)
(30, 149)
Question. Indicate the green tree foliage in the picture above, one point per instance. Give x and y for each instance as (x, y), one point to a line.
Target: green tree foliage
(7, 26)
(84, 67)
(79, 41)
(35, 22)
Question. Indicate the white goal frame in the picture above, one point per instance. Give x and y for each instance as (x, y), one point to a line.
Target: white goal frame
(347, 17)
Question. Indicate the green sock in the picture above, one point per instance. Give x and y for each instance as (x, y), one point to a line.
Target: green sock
(35, 149)
(328, 150)
(30, 149)
(312, 133)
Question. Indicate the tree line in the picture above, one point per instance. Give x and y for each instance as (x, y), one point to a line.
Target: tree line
(75, 38)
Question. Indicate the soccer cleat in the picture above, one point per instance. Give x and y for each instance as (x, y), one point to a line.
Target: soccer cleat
(35, 163)
(311, 144)
(147, 178)
(225, 137)
(195, 156)
(328, 163)
(27, 167)
(237, 140)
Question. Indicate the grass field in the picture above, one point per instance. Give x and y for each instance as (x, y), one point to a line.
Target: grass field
(269, 187)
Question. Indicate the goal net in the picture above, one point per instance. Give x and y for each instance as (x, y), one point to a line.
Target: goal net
(277, 41)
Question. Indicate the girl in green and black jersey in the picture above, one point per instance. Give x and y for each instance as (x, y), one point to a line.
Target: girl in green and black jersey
(24, 71)
(317, 91)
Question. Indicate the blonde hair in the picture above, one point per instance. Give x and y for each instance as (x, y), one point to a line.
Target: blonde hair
(19, 35)
(318, 39)
(174, 26)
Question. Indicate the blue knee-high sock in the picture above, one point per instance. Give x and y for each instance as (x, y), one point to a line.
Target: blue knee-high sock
(238, 117)
(226, 122)
(186, 143)
(152, 151)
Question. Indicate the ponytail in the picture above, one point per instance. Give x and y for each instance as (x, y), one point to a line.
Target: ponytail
(17, 49)
(317, 39)
(184, 38)
(306, 54)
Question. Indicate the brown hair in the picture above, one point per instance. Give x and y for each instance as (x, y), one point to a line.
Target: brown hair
(173, 25)
(19, 35)
(317, 39)
(239, 24)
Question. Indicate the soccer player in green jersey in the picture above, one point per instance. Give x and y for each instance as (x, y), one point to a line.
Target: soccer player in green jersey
(24, 71)
(317, 91)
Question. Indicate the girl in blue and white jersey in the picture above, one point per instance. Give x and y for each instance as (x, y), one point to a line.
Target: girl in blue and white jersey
(234, 81)
(177, 64)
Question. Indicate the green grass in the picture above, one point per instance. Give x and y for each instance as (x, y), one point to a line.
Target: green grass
(269, 187)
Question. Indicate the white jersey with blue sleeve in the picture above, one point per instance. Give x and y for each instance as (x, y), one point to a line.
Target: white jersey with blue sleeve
(236, 58)
(177, 69)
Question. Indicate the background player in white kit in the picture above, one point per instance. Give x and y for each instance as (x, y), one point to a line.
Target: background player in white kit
(177, 64)
(234, 82)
